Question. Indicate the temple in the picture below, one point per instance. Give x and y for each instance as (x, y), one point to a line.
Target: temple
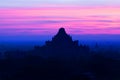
(62, 39)
(61, 44)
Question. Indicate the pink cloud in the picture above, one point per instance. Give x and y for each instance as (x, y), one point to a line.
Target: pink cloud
(46, 21)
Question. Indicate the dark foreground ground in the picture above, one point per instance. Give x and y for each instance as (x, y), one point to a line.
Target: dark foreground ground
(31, 66)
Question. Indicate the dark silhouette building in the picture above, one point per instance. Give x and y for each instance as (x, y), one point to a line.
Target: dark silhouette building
(63, 45)
(62, 39)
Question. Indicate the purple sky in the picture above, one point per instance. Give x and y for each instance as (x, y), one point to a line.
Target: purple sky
(22, 18)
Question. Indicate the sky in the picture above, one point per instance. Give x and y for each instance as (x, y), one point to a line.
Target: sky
(44, 17)
(37, 3)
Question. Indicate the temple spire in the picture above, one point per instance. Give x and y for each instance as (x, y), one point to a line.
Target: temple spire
(61, 32)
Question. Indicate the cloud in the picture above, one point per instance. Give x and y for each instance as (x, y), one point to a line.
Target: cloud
(30, 23)
(45, 24)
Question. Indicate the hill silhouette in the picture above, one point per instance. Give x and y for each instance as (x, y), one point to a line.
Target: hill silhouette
(59, 59)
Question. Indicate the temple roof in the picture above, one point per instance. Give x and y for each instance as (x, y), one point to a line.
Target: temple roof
(62, 36)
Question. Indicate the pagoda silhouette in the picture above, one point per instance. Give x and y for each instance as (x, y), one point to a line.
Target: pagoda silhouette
(62, 40)
(62, 44)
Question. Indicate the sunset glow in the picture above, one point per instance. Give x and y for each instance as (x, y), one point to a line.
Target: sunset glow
(44, 21)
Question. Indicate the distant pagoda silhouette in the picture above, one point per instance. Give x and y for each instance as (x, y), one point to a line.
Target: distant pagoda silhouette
(61, 45)
(62, 39)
